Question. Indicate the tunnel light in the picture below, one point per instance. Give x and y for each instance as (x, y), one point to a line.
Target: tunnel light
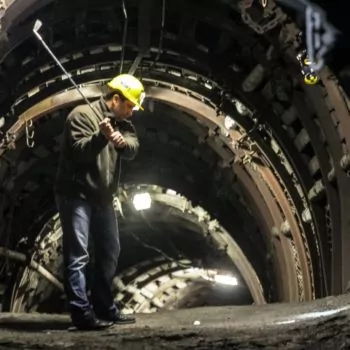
(229, 122)
(142, 201)
(2, 122)
(228, 280)
(215, 277)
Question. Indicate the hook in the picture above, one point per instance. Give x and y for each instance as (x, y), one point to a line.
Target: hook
(29, 134)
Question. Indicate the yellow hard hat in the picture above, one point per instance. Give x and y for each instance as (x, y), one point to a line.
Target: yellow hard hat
(130, 87)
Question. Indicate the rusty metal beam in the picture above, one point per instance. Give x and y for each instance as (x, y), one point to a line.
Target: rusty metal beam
(325, 166)
(270, 218)
(341, 238)
(289, 272)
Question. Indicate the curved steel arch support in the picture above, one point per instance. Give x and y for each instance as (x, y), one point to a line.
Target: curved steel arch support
(223, 240)
(49, 237)
(186, 103)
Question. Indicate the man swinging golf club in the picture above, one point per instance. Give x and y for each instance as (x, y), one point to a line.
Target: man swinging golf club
(94, 142)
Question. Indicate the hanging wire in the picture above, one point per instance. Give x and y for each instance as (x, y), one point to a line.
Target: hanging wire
(124, 36)
(151, 247)
(160, 46)
(164, 255)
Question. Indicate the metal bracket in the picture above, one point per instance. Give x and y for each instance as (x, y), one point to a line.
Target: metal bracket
(8, 141)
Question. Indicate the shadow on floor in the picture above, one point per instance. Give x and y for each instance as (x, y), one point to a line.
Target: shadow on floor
(32, 325)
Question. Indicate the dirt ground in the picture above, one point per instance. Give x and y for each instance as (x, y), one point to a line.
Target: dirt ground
(321, 324)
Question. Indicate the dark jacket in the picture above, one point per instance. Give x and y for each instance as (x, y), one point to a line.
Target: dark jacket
(89, 165)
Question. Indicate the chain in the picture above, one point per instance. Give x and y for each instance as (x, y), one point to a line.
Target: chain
(276, 15)
(320, 34)
(30, 134)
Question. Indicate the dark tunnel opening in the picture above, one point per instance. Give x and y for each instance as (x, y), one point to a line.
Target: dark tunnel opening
(260, 158)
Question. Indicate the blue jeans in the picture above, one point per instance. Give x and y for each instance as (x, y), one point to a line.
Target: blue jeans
(79, 220)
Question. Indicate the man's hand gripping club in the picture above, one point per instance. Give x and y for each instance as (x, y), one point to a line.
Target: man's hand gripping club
(111, 134)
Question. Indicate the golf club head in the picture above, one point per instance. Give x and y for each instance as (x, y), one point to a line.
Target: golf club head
(37, 25)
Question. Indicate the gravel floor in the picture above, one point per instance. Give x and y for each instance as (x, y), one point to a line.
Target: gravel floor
(321, 324)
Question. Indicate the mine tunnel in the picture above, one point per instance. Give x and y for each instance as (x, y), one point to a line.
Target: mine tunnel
(243, 169)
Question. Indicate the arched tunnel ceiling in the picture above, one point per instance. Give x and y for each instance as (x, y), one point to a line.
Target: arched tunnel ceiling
(277, 181)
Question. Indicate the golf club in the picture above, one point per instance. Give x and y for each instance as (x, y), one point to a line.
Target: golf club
(37, 25)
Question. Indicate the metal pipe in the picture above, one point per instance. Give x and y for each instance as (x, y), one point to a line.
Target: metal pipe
(38, 24)
(20, 257)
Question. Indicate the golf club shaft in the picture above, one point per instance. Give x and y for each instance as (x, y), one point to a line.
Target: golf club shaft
(64, 71)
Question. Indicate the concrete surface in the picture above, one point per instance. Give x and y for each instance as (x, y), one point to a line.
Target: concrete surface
(321, 324)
